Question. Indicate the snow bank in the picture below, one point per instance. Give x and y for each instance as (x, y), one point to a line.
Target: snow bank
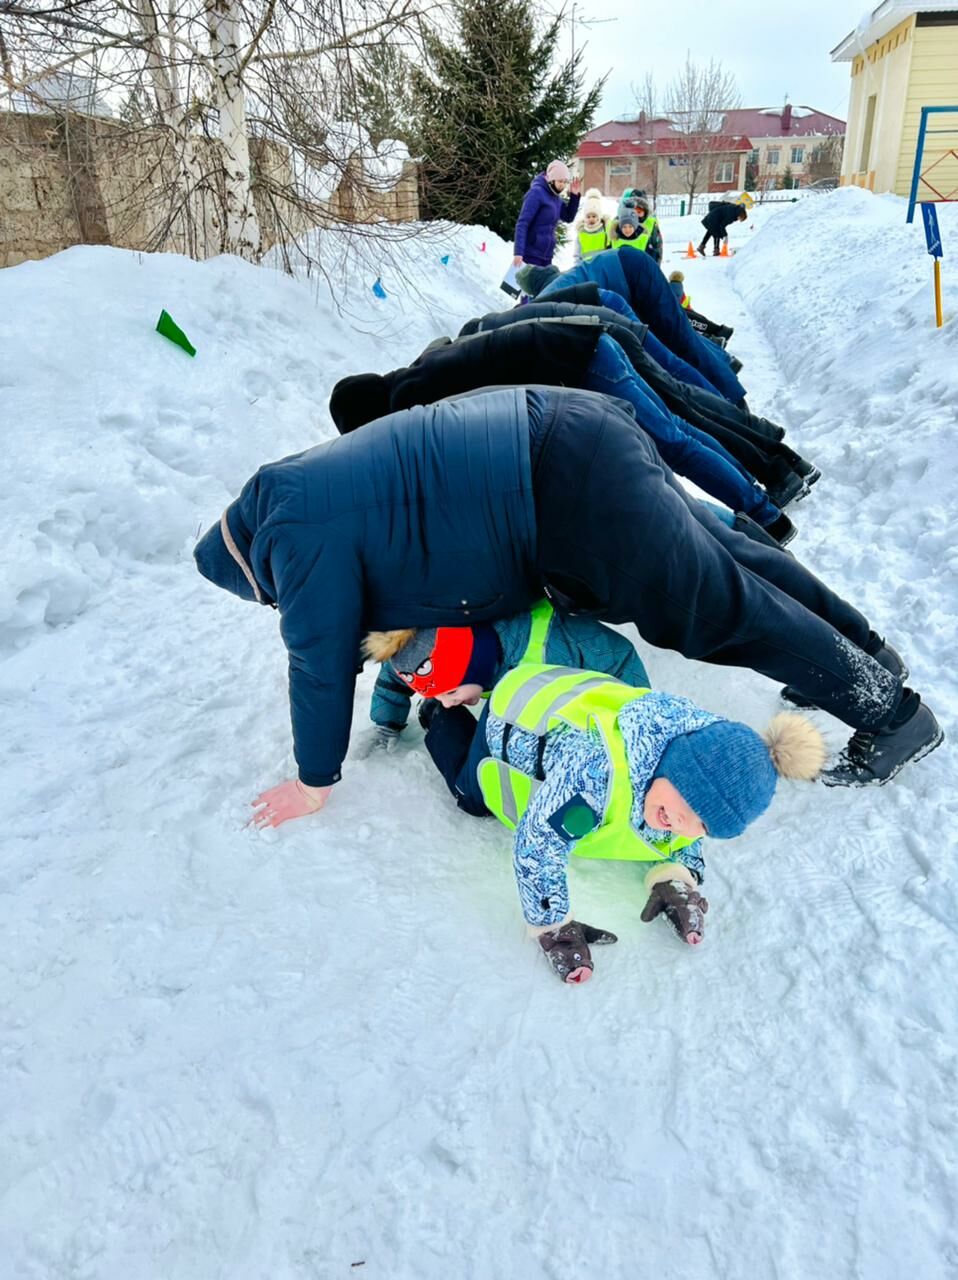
(119, 446)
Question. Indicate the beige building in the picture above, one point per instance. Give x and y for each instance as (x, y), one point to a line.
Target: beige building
(791, 140)
(903, 57)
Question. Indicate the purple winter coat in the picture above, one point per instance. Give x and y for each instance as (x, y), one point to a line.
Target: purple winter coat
(535, 240)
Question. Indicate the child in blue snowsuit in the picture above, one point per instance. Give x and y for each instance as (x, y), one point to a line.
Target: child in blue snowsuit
(636, 775)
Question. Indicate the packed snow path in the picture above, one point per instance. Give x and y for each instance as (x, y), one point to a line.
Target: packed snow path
(277, 1057)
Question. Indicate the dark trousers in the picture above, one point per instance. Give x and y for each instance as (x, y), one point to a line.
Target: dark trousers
(456, 742)
(752, 441)
(619, 538)
(710, 235)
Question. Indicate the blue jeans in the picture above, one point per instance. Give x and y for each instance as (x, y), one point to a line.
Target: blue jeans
(659, 352)
(690, 452)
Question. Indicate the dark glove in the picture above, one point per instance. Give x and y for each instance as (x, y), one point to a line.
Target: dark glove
(384, 737)
(567, 946)
(683, 906)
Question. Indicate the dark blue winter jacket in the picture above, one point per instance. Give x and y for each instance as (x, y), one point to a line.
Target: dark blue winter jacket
(640, 281)
(424, 518)
(542, 209)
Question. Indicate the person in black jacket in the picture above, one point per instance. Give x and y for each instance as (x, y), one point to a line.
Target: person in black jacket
(472, 509)
(717, 221)
(754, 442)
(576, 351)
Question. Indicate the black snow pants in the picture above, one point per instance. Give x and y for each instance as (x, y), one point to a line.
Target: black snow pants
(619, 538)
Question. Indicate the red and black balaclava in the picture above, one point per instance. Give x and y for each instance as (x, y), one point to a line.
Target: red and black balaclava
(443, 658)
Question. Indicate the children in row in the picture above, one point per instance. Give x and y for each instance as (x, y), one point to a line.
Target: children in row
(634, 226)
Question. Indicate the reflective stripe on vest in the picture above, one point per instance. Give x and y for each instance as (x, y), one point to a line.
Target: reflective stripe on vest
(541, 620)
(539, 697)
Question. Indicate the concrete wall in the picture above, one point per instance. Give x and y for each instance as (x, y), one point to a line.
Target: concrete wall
(76, 179)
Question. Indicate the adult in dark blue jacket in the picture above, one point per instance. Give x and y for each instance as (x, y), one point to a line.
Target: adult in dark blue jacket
(639, 280)
(542, 210)
(470, 509)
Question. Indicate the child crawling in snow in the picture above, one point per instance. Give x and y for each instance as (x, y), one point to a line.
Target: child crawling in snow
(578, 762)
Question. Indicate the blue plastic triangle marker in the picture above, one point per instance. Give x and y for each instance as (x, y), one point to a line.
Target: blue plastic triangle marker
(378, 289)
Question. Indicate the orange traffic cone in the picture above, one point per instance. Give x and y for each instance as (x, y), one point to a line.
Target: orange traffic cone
(724, 253)
(691, 251)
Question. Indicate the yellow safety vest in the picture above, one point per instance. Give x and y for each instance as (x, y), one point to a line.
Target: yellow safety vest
(538, 697)
(640, 241)
(591, 242)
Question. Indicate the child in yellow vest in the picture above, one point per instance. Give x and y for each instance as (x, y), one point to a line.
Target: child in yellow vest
(580, 763)
(589, 229)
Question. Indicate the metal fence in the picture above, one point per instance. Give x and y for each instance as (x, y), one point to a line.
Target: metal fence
(678, 206)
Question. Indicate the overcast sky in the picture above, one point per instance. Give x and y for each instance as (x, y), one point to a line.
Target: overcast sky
(772, 50)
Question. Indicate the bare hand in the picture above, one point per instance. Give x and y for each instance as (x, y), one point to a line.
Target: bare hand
(517, 260)
(291, 799)
(575, 186)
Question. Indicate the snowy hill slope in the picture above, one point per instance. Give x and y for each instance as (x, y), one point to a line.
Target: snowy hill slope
(272, 1057)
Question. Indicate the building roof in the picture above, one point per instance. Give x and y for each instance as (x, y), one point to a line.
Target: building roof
(788, 122)
(876, 23)
(642, 137)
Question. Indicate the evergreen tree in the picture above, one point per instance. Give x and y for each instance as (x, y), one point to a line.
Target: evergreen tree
(492, 110)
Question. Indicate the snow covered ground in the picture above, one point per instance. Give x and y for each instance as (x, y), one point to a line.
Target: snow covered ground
(329, 1050)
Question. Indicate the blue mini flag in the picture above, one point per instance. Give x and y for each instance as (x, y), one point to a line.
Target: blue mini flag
(445, 260)
(378, 289)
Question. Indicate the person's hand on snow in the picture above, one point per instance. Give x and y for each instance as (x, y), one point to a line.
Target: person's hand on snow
(291, 799)
(567, 947)
(683, 907)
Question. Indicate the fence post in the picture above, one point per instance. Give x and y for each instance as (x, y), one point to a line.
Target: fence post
(682, 209)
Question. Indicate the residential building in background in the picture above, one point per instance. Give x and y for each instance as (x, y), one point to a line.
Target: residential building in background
(903, 57)
(753, 148)
(793, 144)
(652, 153)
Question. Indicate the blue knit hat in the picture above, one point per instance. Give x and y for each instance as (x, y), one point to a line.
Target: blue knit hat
(724, 772)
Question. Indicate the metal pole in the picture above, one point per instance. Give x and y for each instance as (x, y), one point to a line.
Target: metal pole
(938, 316)
(916, 172)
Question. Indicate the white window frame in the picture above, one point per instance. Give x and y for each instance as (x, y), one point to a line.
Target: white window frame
(725, 171)
(773, 157)
(798, 155)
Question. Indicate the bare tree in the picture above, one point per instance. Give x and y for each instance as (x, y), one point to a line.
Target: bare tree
(825, 161)
(646, 95)
(227, 96)
(696, 101)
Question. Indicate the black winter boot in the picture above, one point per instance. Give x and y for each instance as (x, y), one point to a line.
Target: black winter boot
(873, 758)
(752, 529)
(735, 364)
(791, 488)
(781, 529)
(876, 648)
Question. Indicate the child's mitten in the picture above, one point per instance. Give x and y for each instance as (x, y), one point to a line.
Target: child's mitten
(567, 946)
(683, 907)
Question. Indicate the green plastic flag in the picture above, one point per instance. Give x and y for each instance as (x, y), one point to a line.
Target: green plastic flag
(170, 329)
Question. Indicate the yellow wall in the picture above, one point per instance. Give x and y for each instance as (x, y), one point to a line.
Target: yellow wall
(882, 70)
(933, 82)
